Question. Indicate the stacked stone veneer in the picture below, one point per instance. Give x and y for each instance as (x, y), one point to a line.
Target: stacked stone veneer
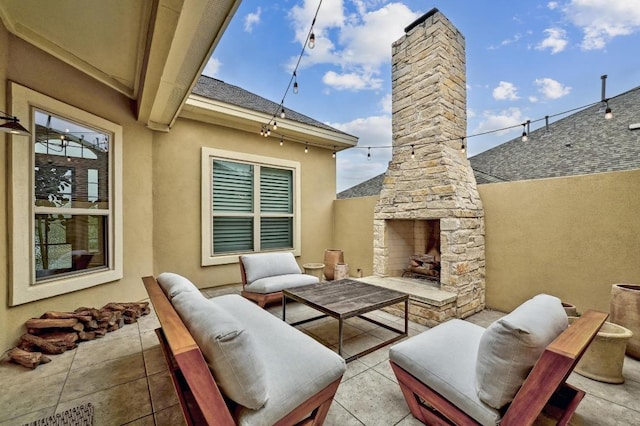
(429, 119)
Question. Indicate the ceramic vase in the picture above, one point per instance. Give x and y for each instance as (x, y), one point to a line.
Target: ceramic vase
(625, 311)
(331, 257)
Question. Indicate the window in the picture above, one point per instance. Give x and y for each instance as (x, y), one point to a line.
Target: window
(249, 205)
(66, 232)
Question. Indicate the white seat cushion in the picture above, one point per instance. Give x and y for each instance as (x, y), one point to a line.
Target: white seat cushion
(444, 358)
(262, 265)
(280, 282)
(229, 349)
(298, 367)
(174, 284)
(510, 347)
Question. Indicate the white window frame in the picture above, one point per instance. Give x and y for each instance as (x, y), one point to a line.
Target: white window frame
(207, 157)
(23, 287)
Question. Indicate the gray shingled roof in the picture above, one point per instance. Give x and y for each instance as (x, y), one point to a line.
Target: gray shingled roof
(213, 88)
(581, 143)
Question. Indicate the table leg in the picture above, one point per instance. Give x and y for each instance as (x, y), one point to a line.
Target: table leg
(284, 308)
(340, 336)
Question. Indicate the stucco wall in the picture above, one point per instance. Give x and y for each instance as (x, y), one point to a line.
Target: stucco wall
(571, 237)
(354, 232)
(177, 188)
(39, 71)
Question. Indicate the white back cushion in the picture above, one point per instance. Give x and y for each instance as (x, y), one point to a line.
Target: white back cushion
(228, 348)
(262, 265)
(174, 284)
(510, 347)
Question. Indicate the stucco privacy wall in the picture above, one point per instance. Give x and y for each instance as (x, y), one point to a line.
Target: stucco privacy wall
(29, 66)
(572, 237)
(176, 174)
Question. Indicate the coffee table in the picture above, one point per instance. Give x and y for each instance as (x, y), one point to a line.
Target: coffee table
(343, 299)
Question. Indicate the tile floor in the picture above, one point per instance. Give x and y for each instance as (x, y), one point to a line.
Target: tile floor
(124, 376)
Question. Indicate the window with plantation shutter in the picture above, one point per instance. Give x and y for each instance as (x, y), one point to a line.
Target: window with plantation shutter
(249, 203)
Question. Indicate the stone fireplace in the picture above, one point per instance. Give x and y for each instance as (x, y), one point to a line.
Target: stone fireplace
(429, 203)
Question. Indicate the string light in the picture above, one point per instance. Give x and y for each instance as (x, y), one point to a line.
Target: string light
(275, 126)
(333, 155)
(413, 153)
(293, 81)
(524, 132)
(306, 147)
(608, 115)
(463, 148)
(369, 154)
(281, 141)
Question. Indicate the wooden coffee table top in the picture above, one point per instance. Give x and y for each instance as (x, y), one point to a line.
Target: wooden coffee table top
(345, 298)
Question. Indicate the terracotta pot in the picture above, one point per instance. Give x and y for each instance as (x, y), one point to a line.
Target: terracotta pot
(570, 309)
(625, 311)
(331, 257)
(604, 358)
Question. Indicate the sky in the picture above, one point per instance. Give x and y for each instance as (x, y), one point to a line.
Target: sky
(525, 59)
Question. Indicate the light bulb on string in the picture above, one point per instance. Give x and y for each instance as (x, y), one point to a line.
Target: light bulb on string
(413, 153)
(333, 154)
(282, 114)
(369, 153)
(268, 133)
(306, 147)
(295, 83)
(524, 132)
(608, 115)
(275, 125)
(281, 141)
(262, 131)
(463, 148)
(312, 41)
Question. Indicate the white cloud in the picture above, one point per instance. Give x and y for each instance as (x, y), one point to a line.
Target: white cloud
(351, 81)
(212, 67)
(507, 42)
(353, 167)
(533, 99)
(494, 121)
(358, 43)
(505, 91)
(556, 40)
(552, 5)
(602, 20)
(252, 19)
(386, 104)
(551, 89)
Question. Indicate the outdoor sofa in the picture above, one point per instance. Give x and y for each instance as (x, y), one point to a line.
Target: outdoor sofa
(235, 363)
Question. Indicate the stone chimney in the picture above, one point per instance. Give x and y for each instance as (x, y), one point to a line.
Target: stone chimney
(429, 186)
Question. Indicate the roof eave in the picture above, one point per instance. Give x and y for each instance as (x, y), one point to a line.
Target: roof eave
(220, 113)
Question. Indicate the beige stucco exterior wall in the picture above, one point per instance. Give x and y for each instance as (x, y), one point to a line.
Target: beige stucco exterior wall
(177, 194)
(354, 233)
(29, 66)
(572, 237)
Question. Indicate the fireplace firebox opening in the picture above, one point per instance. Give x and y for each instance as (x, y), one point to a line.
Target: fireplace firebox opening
(414, 248)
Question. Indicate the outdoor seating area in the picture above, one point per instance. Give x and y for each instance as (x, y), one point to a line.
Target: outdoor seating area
(125, 377)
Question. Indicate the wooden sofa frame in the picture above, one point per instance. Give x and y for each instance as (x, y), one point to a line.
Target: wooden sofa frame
(200, 398)
(262, 299)
(544, 391)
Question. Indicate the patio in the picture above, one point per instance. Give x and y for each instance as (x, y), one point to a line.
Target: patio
(124, 376)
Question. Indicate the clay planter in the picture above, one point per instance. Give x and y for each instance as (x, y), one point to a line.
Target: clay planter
(604, 358)
(570, 309)
(331, 257)
(625, 311)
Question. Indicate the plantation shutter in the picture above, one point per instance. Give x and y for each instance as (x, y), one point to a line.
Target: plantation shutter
(276, 206)
(232, 193)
